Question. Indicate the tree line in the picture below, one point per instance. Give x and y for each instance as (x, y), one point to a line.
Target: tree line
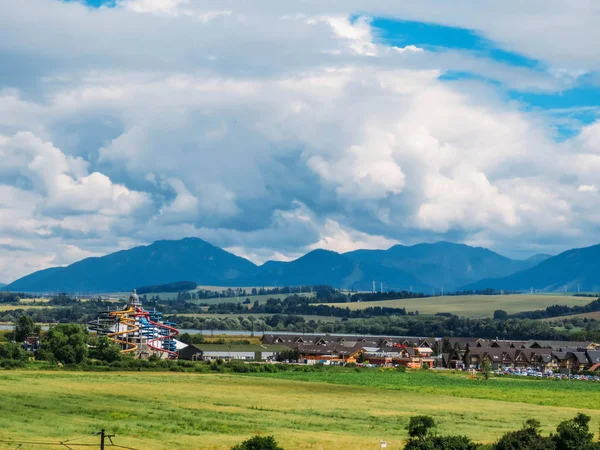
(179, 286)
(298, 305)
(13, 297)
(557, 311)
(409, 325)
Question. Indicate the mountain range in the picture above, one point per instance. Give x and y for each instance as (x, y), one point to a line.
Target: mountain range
(2, 285)
(573, 270)
(424, 267)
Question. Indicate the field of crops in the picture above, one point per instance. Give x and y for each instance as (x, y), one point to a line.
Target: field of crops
(24, 306)
(475, 305)
(213, 301)
(302, 410)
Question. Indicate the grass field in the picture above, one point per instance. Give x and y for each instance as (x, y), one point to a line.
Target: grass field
(591, 315)
(474, 305)
(26, 306)
(302, 410)
(34, 300)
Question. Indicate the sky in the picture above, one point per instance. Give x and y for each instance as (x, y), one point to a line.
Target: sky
(273, 128)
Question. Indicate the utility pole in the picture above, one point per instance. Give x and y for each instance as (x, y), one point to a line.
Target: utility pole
(103, 437)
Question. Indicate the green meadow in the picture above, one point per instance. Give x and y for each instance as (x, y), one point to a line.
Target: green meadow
(324, 410)
(474, 305)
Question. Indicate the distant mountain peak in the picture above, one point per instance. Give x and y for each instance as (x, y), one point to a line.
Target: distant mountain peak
(421, 266)
(575, 269)
(161, 262)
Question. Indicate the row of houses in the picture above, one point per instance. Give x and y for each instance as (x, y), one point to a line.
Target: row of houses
(412, 352)
(541, 355)
(328, 349)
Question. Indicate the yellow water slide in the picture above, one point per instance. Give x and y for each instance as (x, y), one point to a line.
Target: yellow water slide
(129, 322)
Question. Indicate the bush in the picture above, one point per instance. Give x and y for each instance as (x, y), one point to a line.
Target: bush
(258, 443)
(14, 352)
(574, 434)
(9, 364)
(527, 438)
(104, 349)
(419, 427)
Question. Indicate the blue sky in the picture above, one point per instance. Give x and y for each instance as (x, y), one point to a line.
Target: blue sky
(436, 37)
(584, 94)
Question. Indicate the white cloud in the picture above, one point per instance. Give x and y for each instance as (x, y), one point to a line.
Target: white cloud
(358, 33)
(588, 188)
(295, 129)
(339, 239)
(171, 8)
(408, 49)
(63, 181)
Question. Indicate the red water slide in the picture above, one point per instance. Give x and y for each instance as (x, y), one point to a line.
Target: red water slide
(173, 332)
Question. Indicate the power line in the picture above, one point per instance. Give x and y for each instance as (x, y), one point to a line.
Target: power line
(102, 434)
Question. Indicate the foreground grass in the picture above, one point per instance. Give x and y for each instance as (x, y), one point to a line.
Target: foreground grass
(329, 410)
(533, 391)
(474, 305)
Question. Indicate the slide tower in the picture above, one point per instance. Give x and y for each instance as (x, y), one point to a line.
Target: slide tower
(138, 331)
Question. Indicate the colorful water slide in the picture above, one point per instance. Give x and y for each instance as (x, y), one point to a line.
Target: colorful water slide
(131, 327)
(163, 333)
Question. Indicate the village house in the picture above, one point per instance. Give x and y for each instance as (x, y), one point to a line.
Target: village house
(408, 351)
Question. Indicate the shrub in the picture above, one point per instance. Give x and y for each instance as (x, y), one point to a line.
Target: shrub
(258, 443)
(104, 349)
(527, 438)
(13, 351)
(9, 364)
(574, 434)
(419, 427)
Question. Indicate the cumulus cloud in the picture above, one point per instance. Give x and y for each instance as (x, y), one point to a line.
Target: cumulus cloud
(63, 181)
(296, 129)
(337, 238)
